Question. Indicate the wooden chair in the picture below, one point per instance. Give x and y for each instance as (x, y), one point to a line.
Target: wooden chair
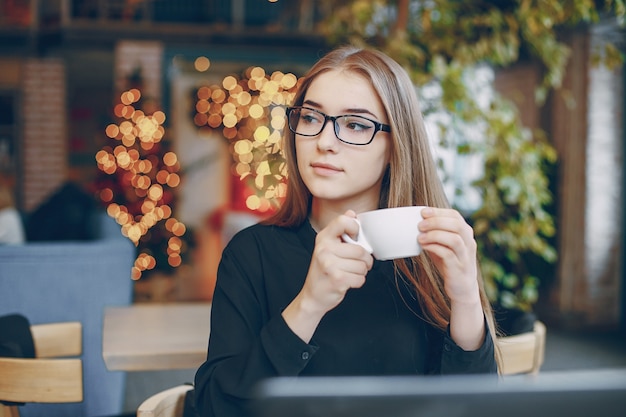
(523, 353)
(44, 379)
(167, 403)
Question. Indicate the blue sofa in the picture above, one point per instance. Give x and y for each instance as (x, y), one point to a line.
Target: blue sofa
(67, 281)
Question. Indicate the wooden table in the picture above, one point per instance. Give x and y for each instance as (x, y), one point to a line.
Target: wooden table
(147, 337)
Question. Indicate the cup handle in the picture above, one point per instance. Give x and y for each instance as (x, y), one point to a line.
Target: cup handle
(360, 240)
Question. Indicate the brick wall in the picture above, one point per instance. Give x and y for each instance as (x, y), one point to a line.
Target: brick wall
(44, 138)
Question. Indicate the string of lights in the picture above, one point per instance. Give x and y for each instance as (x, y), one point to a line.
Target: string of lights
(250, 111)
(147, 180)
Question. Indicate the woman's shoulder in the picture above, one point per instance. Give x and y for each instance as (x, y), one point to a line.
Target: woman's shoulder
(256, 231)
(263, 234)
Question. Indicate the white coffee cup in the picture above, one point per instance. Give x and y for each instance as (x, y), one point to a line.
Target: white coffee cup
(389, 233)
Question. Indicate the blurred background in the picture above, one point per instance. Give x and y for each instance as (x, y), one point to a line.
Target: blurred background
(167, 116)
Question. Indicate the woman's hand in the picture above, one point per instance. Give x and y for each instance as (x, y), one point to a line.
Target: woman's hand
(335, 267)
(449, 240)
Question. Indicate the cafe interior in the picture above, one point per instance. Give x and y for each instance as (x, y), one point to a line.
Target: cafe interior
(138, 136)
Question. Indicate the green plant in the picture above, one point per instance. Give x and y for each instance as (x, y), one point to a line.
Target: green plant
(514, 219)
(438, 40)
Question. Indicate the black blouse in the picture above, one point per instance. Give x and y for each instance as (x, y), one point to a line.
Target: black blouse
(376, 330)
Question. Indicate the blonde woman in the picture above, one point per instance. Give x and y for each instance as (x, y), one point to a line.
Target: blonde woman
(294, 299)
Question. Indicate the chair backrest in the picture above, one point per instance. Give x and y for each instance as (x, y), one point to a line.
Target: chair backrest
(57, 340)
(167, 403)
(44, 379)
(523, 353)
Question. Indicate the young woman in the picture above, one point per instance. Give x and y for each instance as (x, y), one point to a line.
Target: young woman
(293, 299)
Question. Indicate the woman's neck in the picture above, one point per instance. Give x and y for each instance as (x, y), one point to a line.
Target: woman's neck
(323, 212)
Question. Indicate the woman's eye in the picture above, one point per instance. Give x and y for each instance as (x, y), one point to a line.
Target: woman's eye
(309, 118)
(357, 125)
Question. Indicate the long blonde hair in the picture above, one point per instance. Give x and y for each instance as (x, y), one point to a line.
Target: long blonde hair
(411, 178)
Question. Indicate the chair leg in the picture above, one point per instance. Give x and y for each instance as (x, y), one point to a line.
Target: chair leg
(9, 411)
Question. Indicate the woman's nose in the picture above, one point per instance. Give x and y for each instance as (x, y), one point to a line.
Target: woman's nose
(326, 140)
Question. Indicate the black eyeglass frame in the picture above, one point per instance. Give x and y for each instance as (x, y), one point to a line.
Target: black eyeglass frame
(378, 127)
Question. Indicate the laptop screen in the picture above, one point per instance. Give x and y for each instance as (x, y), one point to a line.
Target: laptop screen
(563, 394)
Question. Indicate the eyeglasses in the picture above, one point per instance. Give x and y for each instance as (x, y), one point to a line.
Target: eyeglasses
(349, 128)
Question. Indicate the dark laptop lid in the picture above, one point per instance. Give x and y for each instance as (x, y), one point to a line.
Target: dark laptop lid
(594, 393)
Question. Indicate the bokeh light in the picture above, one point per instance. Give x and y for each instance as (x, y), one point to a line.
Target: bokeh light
(202, 64)
(143, 174)
(250, 111)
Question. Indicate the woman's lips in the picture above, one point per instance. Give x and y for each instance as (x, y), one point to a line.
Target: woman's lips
(325, 169)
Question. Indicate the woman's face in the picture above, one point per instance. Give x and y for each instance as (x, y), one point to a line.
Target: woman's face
(336, 172)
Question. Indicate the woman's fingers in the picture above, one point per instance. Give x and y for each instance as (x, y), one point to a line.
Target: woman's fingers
(445, 219)
(336, 266)
(446, 236)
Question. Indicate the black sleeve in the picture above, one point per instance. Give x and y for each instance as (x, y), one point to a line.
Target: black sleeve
(445, 357)
(455, 360)
(248, 341)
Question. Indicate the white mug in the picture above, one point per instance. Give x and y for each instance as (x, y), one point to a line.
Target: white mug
(389, 233)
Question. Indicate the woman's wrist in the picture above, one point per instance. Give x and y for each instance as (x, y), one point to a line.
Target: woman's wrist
(302, 317)
(467, 324)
